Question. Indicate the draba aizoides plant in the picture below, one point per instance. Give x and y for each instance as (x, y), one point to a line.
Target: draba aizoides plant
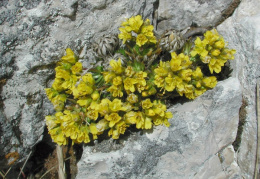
(133, 89)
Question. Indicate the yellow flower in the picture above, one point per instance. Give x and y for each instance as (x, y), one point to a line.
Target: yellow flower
(179, 62)
(116, 91)
(88, 79)
(135, 23)
(129, 84)
(117, 105)
(82, 90)
(95, 95)
(62, 73)
(147, 123)
(70, 83)
(92, 114)
(130, 117)
(117, 81)
(77, 68)
(211, 37)
(159, 81)
(146, 104)
(132, 98)
(101, 126)
(186, 74)
(140, 77)
(51, 93)
(129, 71)
(124, 35)
(220, 44)
(159, 108)
(197, 74)
(58, 102)
(84, 101)
(209, 82)
(70, 57)
(113, 118)
(140, 120)
(141, 40)
(170, 84)
(215, 52)
(108, 76)
(50, 122)
(215, 65)
(162, 70)
(103, 107)
(175, 62)
(57, 84)
(200, 48)
(116, 66)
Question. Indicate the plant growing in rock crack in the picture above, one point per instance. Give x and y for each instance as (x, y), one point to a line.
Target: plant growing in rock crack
(131, 91)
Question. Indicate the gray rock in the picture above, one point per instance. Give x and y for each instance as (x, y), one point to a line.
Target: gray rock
(182, 14)
(190, 148)
(242, 31)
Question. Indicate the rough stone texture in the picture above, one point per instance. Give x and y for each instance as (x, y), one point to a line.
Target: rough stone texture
(194, 146)
(182, 14)
(242, 30)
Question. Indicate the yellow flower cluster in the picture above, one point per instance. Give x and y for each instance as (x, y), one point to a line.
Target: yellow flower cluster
(88, 105)
(177, 74)
(138, 30)
(212, 51)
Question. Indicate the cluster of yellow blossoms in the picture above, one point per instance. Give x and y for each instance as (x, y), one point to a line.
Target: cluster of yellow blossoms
(177, 74)
(135, 29)
(130, 94)
(212, 51)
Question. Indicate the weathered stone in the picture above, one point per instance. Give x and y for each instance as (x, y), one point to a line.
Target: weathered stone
(242, 31)
(182, 14)
(188, 148)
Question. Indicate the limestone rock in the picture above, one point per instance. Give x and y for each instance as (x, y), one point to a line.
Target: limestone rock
(188, 148)
(242, 31)
(182, 14)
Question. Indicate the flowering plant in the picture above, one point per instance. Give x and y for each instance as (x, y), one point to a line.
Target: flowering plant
(132, 90)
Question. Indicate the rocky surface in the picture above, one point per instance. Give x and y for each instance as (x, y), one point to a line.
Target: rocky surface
(34, 35)
(194, 143)
(242, 31)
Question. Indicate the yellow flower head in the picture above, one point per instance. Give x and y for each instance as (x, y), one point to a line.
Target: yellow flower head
(103, 107)
(129, 84)
(197, 74)
(113, 118)
(117, 81)
(141, 40)
(116, 66)
(146, 104)
(129, 71)
(116, 91)
(135, 23)
(209, 82)
(70, 57)
(117, 105)
(130, 117)
(200, 48)
(132, 98)
(102, 125)
(124, 35)
(88, 79)
(77, 68)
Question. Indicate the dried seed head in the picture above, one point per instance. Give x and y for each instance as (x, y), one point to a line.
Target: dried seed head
(171, 41)
(106, 46)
